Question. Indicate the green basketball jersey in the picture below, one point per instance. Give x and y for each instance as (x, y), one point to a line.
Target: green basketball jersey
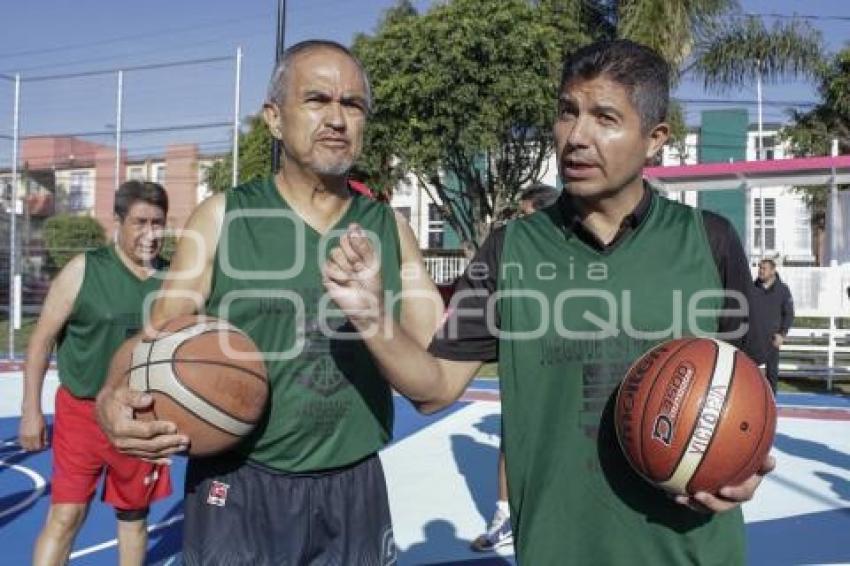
(329, 405)
(106, 312)
(573, 319)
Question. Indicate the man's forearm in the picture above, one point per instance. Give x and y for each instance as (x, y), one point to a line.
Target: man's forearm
(411, 370)
(35, 368)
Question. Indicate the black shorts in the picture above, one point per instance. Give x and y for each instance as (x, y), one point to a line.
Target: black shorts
(245, 513)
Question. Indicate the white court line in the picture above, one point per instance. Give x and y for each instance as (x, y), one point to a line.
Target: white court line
(114, 542)
(38, 482)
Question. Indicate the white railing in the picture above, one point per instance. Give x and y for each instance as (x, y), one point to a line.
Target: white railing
(445, 269)
(820, 293)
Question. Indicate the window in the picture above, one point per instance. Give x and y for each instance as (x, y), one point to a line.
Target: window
(203, 186)
(203, 170)
(159, 173)
(768, 217)
(803, 228)
(435, 227)
(768, 148)
(136, 173)
(6, 189)
(80, 195)
(404, 187)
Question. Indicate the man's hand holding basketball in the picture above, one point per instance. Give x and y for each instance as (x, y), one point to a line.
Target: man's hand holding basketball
(116, 403)
(352, 276)
(731, 496)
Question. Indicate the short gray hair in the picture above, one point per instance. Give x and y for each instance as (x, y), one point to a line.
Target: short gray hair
(280, 75)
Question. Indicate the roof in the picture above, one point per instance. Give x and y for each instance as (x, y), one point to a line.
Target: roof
(779, 172)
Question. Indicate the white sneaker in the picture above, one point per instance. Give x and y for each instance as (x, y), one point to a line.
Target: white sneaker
(499, 534)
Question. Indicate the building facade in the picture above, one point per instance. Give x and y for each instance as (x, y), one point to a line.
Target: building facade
(772, 221)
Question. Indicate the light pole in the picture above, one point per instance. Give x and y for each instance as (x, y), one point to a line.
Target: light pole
(278, 51)
(14, 279)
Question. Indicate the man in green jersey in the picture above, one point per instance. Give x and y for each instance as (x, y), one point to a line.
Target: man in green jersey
(306, 486)
(566, 299)
(95, 303)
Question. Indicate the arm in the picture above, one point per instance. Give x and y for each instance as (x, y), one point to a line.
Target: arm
(734, 272)
(421, 314)
(432, 379)
(55, 312)
(787, 311)
(733, 269)
(184, 291)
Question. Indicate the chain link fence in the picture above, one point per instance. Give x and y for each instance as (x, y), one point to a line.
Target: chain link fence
(80, 135)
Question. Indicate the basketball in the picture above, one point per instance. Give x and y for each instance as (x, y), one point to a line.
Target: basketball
(695, 414)
(206, 376)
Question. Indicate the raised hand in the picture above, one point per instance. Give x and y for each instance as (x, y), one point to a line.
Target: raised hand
(352, 277)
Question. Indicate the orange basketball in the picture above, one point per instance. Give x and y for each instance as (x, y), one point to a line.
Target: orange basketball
(206, 376)
(695, 414)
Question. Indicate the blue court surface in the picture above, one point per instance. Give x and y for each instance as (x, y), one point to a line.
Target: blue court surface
(441, 472)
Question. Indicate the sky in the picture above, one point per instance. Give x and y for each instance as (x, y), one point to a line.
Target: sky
(42, 38)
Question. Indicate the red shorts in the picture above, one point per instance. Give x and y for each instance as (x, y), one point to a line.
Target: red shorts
(81, 452)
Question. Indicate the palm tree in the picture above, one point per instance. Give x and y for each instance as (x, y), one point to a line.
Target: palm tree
(712, 40)
(673, 28)
(743, 50)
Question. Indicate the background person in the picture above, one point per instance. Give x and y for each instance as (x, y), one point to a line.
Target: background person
(93, 305)
(771, 317)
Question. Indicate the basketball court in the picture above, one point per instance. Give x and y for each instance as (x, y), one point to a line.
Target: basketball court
(441, 472)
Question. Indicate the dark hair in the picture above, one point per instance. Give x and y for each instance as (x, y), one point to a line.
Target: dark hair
(280, 74)
(639, 69)
(131, 192)
(540, 195)
(770, 262)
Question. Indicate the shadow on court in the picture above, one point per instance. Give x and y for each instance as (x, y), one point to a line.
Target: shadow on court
(11, 455)
(477, 462)
(840, 486)
(811, 450)
(442, 534)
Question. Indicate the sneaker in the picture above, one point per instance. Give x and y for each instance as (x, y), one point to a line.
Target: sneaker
(499, 534)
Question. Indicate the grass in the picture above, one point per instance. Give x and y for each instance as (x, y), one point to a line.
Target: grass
(22, 336)
(489, 371)
(820, 322)
(818, 385)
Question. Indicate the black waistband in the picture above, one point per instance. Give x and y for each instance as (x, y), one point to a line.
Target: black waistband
(312, 473)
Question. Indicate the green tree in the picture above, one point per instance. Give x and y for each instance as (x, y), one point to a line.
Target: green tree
(712, 40)
(811, 133)
(66, 235)
(255, 147)
(465, 102)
